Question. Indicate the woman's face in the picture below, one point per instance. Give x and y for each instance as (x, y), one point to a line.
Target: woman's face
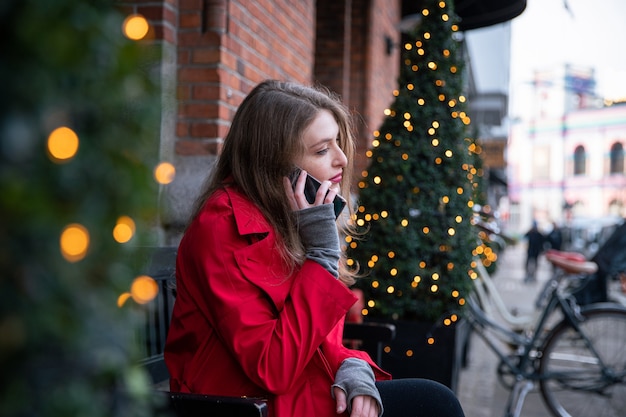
(322, 157)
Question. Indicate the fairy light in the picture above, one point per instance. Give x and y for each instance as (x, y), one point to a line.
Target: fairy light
(135, 27)
(74, 242)
(144, 289)
(124, 229)
(164, 173)
(62, 144)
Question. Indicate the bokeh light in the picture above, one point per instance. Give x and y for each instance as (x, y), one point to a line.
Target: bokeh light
(135, 27)
(144, 289)
(122, 299)
(62, 144)
(164, 173)
(124, 229)
(74, 242)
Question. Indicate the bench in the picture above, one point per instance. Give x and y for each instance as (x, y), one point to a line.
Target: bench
(159, 263)
(197, 405)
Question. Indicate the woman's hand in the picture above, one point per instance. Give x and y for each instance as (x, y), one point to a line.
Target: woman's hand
(362, 405)
(325, 194)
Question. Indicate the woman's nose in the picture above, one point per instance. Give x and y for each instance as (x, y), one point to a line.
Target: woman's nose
(341, 159)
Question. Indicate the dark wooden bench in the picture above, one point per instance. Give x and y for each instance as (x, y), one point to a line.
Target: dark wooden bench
(159, 263)
(197, 405)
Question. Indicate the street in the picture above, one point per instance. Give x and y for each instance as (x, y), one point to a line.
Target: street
(480, 393)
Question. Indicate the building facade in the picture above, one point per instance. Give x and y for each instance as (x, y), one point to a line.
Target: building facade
(566, 164)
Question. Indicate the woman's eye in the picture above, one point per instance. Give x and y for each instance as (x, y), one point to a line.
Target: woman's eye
(322, 152)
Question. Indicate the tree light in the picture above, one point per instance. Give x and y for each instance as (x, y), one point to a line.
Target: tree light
(62, 144)
(124, 229)
(74, 242)
(164, 173)
(135, 27)
(144, 289)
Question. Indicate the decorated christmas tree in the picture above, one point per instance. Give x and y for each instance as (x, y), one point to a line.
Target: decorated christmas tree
(78, 144)
(415, 199)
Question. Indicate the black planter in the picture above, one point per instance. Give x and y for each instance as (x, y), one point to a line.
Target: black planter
(410, 356)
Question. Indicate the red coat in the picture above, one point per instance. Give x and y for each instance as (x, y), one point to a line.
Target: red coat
(244, 326)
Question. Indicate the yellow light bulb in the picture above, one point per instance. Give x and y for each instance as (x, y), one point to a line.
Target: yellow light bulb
(62, 144)
(124, 229)
(144, 289)
(164, 173)
(74, 242)
(135, 27)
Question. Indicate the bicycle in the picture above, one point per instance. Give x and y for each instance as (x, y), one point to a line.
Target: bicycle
(575, 354)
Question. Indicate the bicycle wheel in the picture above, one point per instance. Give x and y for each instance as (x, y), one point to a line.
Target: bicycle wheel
(573, 382)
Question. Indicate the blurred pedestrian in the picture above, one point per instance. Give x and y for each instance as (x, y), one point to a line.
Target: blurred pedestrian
(554, 241)
(555, 237)
(535, 241)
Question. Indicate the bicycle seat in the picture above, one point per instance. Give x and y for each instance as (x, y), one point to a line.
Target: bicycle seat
(571, 262)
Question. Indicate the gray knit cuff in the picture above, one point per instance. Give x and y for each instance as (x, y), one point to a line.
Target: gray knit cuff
(319, 235)
(356, 377)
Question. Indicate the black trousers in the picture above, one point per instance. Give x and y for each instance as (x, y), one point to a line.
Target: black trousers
(415, 397)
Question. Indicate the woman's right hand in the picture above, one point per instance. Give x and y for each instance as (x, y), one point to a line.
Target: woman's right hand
(325, 194)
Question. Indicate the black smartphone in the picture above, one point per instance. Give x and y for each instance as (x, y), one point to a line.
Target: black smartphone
(310, 190)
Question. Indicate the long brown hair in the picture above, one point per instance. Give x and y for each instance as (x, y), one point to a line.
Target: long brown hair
(264, 139)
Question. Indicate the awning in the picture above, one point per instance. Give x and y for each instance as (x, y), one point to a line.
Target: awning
(475, 14)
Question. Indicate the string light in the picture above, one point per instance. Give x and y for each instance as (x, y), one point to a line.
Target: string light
(74, 242)
(135, 27)
(144, 289)
(62, 144)
(164, 173)
(124, 229)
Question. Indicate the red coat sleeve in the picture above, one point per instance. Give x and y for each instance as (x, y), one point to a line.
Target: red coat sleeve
(271, 318)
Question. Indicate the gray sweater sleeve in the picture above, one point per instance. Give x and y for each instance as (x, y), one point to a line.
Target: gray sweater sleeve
(355, 377)
(319, 235)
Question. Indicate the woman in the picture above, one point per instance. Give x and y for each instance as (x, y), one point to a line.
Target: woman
(262, 290)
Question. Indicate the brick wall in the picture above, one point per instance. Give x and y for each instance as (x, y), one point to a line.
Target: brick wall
(215, 51)
(352, 59)
(225, 47)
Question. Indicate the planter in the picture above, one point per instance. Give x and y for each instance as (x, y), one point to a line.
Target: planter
(409, 355)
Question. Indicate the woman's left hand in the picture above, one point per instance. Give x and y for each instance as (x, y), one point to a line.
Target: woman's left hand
(362, 405)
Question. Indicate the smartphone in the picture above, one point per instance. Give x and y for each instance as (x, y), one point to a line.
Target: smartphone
(310, 190)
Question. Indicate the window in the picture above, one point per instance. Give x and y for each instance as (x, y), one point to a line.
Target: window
(579, 160)
(616, 208)
(617, 159)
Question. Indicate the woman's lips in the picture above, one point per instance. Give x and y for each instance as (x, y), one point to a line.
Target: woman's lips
(336, 179)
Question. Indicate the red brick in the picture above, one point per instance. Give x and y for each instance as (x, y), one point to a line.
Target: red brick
(152, 13)
(195, 147)
(194, 74)
(205, 56)
(203, 130)
(205, 92)
(199, 110)
(182, 129)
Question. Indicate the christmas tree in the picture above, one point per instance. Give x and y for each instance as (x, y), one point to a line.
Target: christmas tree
(78, 144)
(415, 199)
